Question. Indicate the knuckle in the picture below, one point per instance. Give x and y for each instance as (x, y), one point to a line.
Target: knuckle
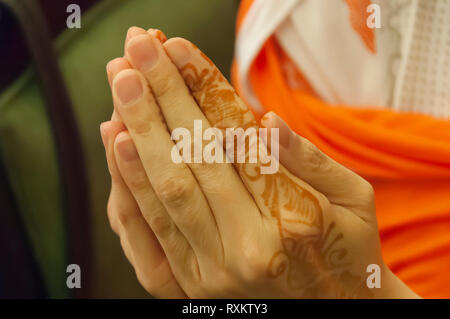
(163, 85)
(317, 160)
(139, 182)
(210, 173)
(253, 271)
(110, 209)
(367, 191)
(114, 226)
(141, 125)
(161, 225)
(113, 223)
(322, 201)
(253, 265)
(175, 191)
(125, 217)
(140, 117)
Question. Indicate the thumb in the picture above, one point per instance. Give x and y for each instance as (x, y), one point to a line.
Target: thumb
(303, 159)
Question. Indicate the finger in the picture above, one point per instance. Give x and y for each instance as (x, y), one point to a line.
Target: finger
(132, 32)
(215, 96)
(109, 130)
(140, 245)
(227, 198)
(112, 69)
(148, 258)
(173, 182)
(115, 66)
(303, 159)
(178, 250)
(150, 264)
(273, 187)
(119, 64)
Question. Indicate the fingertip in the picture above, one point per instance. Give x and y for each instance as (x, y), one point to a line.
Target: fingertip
(128, 87)
(143, 51)
(125, 147)
(272, 120)
(179, 50)
(108, 71)
(110, 128)
(157, 34)
(266, 120)
(134, 31)
(114, 66)
(109, 131)
(104, 133)
(122, 137)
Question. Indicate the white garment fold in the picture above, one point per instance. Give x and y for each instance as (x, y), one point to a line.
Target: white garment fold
(409, 72)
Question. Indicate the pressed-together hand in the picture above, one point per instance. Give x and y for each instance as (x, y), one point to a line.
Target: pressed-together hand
(204, 230)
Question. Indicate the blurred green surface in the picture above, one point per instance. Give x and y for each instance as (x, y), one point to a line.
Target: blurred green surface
(26, 142)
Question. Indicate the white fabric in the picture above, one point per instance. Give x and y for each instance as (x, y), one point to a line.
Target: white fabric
(409, 72)
(423, 82)
(262, 19)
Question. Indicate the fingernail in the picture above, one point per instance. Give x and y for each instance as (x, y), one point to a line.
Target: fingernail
(179, 52)
(128, 88)
(108, 73)
(103, 133)
(272, 120)
(160, 36)
(111, 67)
(115, 64)
(126, 148)
(284, 133)
(266, 120)
(134, 31)
(143, 52)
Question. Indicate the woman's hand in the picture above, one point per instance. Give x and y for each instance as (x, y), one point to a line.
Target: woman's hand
(224, 231)
(137, 239)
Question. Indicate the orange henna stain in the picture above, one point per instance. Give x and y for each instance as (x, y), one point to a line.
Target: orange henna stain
(160, 36)
(218, 102)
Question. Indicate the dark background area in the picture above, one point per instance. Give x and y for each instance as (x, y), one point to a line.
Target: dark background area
(14, 56)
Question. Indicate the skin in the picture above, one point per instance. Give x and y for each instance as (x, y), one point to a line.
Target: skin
(201, 230)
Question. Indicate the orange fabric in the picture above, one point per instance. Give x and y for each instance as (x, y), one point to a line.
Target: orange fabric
(405, 156)
(358, 18)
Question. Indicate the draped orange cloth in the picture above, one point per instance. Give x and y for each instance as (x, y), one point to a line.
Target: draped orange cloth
(405, 156)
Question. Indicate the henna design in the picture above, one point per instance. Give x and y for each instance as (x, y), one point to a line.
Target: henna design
(306, 247)
(218, 102)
